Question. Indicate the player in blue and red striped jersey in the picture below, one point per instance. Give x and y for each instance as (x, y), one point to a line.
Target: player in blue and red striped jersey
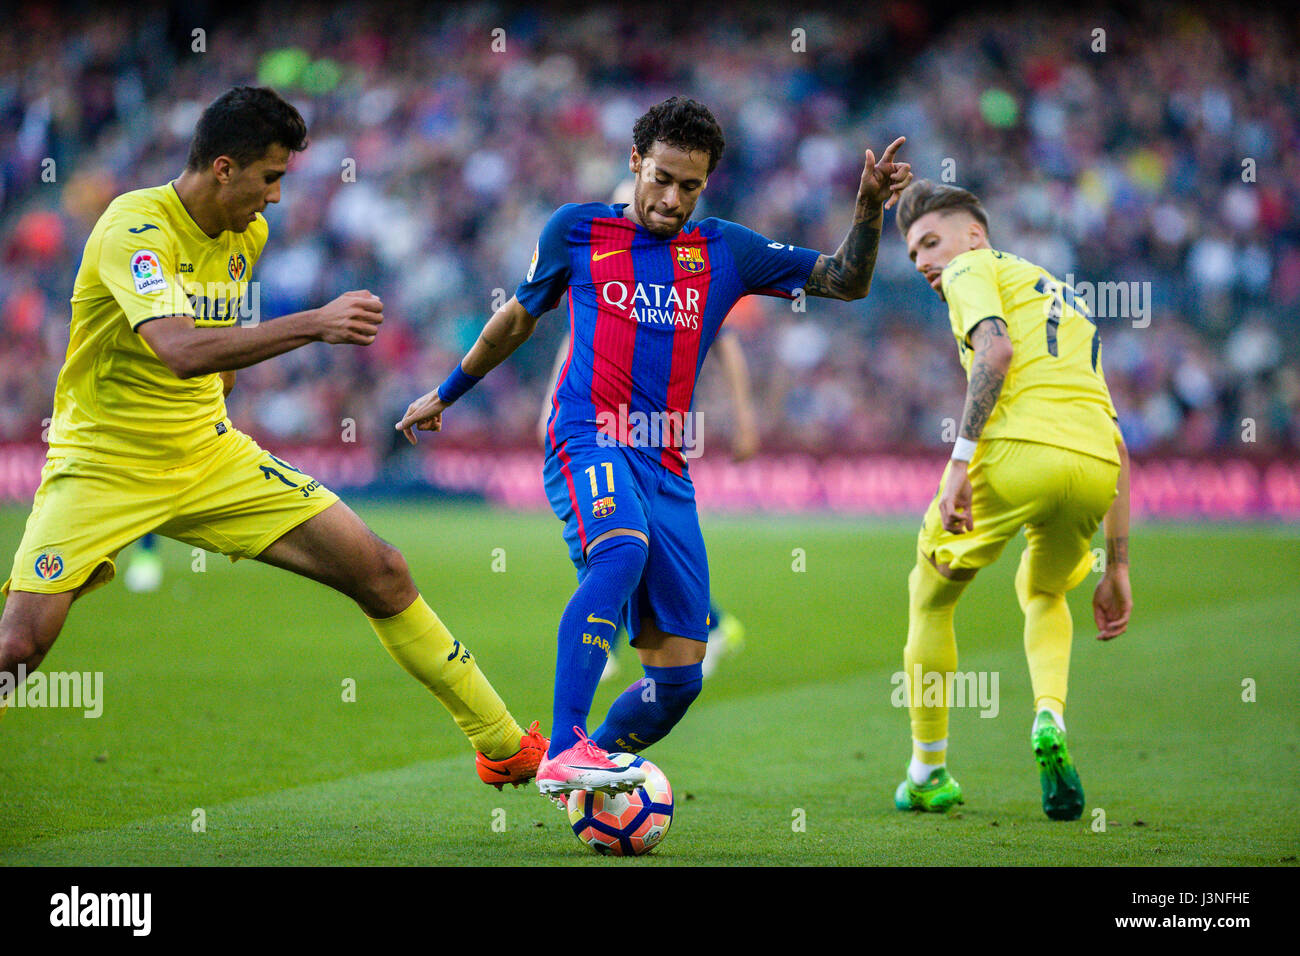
(648, 290)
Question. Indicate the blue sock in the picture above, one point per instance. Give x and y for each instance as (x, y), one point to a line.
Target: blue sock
(645, 712)
(587, 629)
(148, 541)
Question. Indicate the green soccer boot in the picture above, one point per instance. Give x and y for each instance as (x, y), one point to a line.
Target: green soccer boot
(938, 794)
(1062, 791)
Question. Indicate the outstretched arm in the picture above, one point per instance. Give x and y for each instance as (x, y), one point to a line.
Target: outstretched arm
(988, 370)
(509, 328)
(847, 274)
(351, 319)
(1112, 602)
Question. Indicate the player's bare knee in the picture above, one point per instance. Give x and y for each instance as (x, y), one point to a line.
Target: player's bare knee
(386, 586)
(396, 573)
(694, 655)
(25, 633)
(658, 648)
(17, 644)
(673, 656)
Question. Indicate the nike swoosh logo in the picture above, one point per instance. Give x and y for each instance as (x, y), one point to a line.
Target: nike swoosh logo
(592, 619)
(597, 256)
(145, 228)
(504, 773)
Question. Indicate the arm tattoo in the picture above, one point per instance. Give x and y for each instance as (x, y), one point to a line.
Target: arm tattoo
(985, 379)
(502, 334)
(847, 274)
(981, 337)
(1117, 551)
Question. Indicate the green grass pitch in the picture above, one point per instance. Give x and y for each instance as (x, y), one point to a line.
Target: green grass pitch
(224, 693)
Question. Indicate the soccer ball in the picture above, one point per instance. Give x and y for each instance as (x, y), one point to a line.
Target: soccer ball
(624, 824)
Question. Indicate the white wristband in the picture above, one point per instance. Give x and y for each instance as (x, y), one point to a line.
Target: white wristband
(963, 449)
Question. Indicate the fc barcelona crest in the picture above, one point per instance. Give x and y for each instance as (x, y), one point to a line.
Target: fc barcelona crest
(690, 258)
(602, 507)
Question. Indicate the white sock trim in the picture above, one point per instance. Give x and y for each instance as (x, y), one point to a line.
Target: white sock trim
(1057, 717)
(919, 772)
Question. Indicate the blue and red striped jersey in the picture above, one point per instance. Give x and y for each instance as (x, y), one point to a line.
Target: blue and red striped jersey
(643, 312)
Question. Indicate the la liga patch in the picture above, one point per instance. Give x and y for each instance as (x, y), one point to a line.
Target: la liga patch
(146, 271)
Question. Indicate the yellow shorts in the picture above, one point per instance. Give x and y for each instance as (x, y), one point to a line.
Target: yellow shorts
(1057, 495)
(236, 501)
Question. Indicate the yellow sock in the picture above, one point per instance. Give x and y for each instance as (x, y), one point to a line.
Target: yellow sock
(1049, 632)
(418, 641)
(931, 651)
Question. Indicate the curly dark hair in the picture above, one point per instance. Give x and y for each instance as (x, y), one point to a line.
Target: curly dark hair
(925, 196)
(681, 122)
(243, 123)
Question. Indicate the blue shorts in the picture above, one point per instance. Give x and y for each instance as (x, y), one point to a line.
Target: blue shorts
(596, 488)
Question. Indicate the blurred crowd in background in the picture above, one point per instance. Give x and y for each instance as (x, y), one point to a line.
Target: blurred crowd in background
(1160, 149)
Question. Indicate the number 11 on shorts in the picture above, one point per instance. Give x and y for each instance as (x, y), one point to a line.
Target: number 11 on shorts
(609, 478)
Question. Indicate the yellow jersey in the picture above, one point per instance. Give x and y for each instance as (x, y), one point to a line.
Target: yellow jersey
(1055, 392)
(146, 259)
